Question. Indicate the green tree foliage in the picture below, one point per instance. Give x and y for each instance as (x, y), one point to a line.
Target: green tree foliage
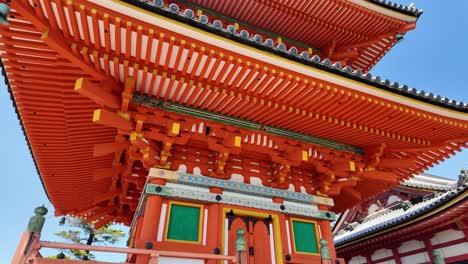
(81, 232)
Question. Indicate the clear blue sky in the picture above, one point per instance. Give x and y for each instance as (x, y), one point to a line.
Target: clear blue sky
(432, 58)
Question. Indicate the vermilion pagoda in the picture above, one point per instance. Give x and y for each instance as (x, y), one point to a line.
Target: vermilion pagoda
(196, 121)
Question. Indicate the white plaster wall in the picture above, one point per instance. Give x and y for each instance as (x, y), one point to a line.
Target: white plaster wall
(416, 259)
(392, 199)
(388, 262)
(182, 168)
(372, 208)
(237, 178)
(455, 250)
(357, 260)
(169, 260)
(446, 236)
(381, 253)
(410, 246)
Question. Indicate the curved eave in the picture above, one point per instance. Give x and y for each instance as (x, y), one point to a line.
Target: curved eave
(7, 83)
(424, 214)
(354, 79)
(388, 8)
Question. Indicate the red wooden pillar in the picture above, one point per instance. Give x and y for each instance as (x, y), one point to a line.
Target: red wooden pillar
(327, 234)
(429, 248)
(368, 259)
(150, 223)
(213, 232)
(396, 255)
(282, 229)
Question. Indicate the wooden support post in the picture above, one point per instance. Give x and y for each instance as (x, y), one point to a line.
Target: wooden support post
(215, 218)
(149, 229)
(429, 248)
(396, 255)
(30, 236)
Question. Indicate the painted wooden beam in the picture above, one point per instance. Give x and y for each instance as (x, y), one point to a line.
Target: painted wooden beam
(185, 178)
(189, 194)
(396, 163)
(336, 187)
(108, 118)
(98, 92)
(106, 173)
(220, 118)
(381, 176)
(108, 148)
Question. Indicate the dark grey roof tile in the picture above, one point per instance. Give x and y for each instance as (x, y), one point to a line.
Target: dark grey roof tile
(407, 10)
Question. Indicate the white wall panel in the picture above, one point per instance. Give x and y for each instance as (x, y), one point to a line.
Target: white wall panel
(416, 259)
(410, 246)
(446, 236)
(454, 250)
(357, 260)
(382, 253)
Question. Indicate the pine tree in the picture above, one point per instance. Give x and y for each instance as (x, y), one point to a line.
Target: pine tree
(81, 232)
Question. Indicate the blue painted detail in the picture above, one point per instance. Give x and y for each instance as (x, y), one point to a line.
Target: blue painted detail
(306, 210)
(258, 190)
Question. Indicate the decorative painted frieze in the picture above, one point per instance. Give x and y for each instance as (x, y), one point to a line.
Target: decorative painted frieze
(258, 190)
(194, 195)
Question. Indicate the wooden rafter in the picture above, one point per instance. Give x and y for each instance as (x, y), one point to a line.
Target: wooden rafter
(52, 37)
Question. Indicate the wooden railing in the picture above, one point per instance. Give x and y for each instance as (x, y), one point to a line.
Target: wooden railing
(29, 245)
(30, 254)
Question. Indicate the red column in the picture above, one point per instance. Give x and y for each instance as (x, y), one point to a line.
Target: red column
(282, 228)
(396, 255)
(429, 248)
(213, 232)
(149, 228)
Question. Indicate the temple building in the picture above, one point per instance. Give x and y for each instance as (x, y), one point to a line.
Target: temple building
(407, 223)
(219, 131)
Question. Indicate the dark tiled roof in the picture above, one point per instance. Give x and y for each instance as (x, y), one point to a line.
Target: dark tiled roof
(430, 182)
(402, 212)
(188, 16)
(410, 10)
(393, 216)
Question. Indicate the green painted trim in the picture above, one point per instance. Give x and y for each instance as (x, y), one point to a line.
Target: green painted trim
(224, 119)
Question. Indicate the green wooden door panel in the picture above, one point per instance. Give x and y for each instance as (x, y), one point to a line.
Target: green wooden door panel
(184, 223)
(305, 237)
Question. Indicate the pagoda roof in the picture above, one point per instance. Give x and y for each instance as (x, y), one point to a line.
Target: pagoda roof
(402, 213)
(336, 29)
(292, 53)
(199, 69)
(410, 10)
